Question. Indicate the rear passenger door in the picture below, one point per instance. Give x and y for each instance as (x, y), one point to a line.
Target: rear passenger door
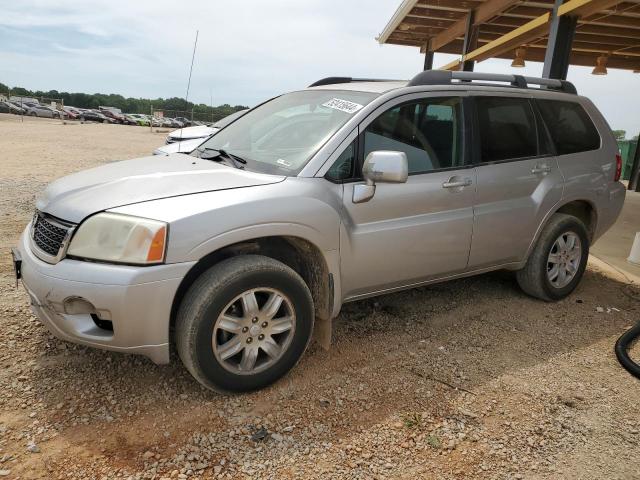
(518, 179)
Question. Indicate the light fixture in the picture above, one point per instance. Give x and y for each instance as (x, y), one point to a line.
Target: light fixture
(518, 61)
(601, 66)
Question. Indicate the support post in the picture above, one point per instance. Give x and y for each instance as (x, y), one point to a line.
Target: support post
(470, 41)
(428, 56)
(634, 178)
(561, 33)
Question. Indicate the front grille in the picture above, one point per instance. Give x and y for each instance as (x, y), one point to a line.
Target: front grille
(48, 236)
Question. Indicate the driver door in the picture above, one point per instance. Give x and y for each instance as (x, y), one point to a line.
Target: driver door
(419, 230)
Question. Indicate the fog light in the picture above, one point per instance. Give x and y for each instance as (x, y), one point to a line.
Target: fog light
(78, 306)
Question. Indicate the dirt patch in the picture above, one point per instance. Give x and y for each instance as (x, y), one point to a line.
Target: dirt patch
(467, 379)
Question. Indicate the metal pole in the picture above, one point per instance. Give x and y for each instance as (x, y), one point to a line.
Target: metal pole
(428, 56)
(634, 178)
(470, 42)
(558, 53)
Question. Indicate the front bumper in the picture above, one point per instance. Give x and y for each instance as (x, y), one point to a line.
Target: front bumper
(136, 300)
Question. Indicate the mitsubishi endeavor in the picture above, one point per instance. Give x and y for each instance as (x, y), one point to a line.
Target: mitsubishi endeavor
(344, 190)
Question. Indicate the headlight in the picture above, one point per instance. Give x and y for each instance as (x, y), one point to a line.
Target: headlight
(113, 237)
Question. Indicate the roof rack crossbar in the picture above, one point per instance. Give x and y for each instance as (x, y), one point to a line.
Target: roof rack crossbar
(334, 80)
(445, 77)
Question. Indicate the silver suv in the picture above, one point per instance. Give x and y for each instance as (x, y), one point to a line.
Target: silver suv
(344, 190)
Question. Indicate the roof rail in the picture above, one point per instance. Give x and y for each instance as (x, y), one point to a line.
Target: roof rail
(445, 77)
(334, 80)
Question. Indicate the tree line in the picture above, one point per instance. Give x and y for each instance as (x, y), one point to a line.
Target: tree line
(129, 105)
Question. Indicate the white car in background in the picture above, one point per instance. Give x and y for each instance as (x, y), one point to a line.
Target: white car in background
(202, 131)
(186, 146)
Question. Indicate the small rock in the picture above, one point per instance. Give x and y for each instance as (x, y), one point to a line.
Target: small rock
(5, 473)
(259, 435)
(599, 309)
(33, 448)
(148, 454)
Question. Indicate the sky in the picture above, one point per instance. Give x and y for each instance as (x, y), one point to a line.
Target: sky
(247, 50)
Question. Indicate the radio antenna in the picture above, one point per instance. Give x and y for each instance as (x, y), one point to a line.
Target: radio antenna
(186, 97)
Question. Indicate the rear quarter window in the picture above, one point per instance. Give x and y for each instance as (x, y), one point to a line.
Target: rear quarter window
(569, 125)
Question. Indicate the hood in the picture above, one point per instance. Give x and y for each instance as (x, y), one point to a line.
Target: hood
(198, 131)
(76, 196)
(185, 146)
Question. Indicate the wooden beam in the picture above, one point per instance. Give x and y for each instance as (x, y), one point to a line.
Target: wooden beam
(585, 8)
(590, 29)
(531, 30)
(435, 13)
(460, 5)
(520, 35)
(484, 12)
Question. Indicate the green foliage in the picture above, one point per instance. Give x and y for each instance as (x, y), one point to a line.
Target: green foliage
(620, 134)
(433, 441)
(412, 420)
(173, 106)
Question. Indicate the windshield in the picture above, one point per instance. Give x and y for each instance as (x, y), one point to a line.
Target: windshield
(282, 135)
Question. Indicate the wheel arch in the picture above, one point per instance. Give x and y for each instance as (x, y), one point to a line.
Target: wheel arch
(298, 253)
(583, 209)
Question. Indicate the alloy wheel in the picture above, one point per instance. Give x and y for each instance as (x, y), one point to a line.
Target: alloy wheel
(254, 331)
(564, 259)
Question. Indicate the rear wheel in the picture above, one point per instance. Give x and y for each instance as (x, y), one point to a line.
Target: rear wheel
(244, 323)
(558, 260)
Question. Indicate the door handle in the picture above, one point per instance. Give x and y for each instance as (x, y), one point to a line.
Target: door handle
(541, 169)
(457, 183)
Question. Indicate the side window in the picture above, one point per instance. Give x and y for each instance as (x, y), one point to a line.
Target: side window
(342, 168)
(429, 132)
(570, 127)
(507, 128)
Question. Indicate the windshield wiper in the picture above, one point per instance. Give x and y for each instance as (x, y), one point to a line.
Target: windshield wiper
(222, 154)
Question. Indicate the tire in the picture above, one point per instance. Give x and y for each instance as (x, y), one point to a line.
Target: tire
(535, 279)
(202, 343)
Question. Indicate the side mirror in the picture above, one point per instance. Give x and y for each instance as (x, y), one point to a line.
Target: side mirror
(381, 166)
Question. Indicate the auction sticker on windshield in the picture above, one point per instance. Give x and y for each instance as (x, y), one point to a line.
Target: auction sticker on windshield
(343, 105)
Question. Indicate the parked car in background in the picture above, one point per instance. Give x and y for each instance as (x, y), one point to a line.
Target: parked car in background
(331, 194)
(87, 114)
(184, 122)
(44, 111)
(4, 108)
(185, 146)
(71, 113)
(202, 131)
(137, 119)
(155, 121)
(170, 122)
(13, 108)
(113, 113)
(190, 144)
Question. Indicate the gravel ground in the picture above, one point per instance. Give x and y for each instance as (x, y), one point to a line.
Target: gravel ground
(466, 379)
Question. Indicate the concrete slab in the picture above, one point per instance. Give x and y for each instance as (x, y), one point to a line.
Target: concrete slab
(615, 245)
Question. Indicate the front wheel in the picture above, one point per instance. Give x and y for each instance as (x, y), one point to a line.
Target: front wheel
(244, 323)
(558, 259)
